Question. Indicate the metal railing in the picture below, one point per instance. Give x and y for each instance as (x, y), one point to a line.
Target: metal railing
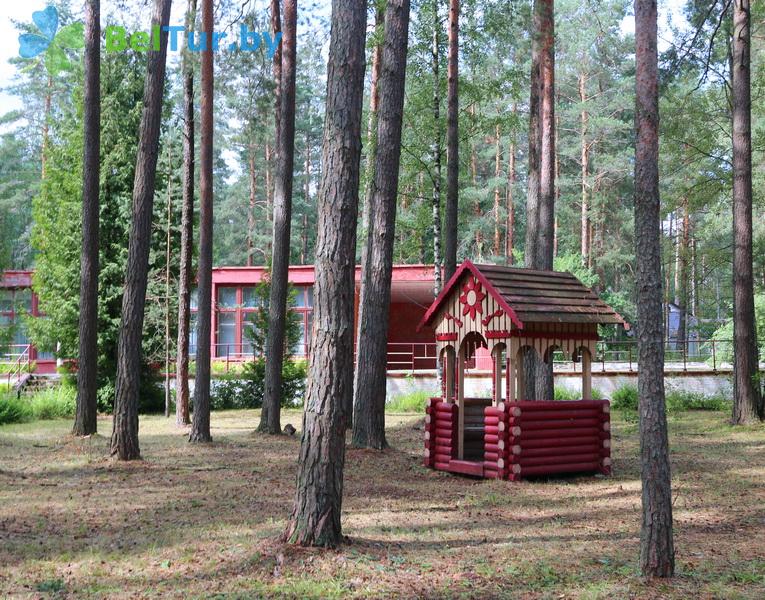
(610, 356)
(18, 362)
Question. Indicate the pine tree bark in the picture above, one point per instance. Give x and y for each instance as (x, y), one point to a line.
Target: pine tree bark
(253, 176)
(87, 365)
(200, 424)
(747, 400)
(276, 26)
(168, 230)
(657, 555)
(436, 153)
(315, 519)
(584, 119)
(497, 172)
(452, 141)
(369, 406)
(532, 194)
(540, 226)
(285, 153)
(366, 217)
(124, 440)
(187, 235)
(512, 177)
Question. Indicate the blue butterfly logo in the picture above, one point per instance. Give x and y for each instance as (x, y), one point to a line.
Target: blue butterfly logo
(57, 46)
(33, 44)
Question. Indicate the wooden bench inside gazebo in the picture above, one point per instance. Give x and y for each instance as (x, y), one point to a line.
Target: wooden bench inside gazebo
(512, 312)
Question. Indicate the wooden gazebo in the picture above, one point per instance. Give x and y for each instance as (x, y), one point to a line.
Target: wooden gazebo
(511, 312)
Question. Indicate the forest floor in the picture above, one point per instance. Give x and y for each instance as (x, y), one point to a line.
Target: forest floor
(204, 521)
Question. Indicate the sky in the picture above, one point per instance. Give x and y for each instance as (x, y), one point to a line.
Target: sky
(22, 11)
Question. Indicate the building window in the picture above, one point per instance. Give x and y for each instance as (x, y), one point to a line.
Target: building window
(227, 297)
(226, 336)
(250, 297)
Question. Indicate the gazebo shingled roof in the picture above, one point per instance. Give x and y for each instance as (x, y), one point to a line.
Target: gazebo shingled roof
(532, 296)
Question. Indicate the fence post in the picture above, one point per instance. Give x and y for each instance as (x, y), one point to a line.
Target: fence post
(685, 355)
(629, 351)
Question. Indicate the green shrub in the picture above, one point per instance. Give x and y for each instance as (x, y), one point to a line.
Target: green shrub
(14, 410)
(680, 400)
(411, 402)
(53, 403)
(247, 391)
(566, 393)
(625, 398)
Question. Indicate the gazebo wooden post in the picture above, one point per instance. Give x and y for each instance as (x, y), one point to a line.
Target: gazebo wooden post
(519, 374)
(449, 368)
(586, 374)
(461, 401)
(496, 367)
(510, 375)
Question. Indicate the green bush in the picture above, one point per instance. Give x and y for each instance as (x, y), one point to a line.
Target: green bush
(247, 391)
(679, 400)
(53, 403)
(14, 410)
(625, 398)
(411, 402)
(566, 393)
(151, 394)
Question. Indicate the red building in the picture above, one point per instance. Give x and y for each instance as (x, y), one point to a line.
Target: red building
(17, 300)
(234, 303)
(235, 300)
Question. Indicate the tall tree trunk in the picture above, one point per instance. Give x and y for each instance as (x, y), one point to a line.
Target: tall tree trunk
(452, 141)
(315, 519)
(366, 218)
(277, 67)
(87, 365)
(657, 554)
(747, 402)
(369, 407)
(547, 137)
(541, 200)
(512, 177)
(187, 234)
(168, 230)
(497, 172)
(532, 195)
(269, 192)
(584, 119)
(285, 159)
(251, 206)
(436, 153)
(556, 184)
(200, 424)
(307, 196)
(124, 441)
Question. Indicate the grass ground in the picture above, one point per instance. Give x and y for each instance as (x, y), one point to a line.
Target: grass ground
(203, 521)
